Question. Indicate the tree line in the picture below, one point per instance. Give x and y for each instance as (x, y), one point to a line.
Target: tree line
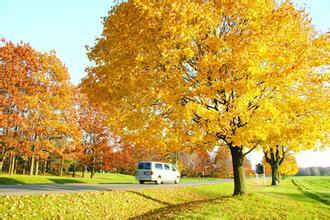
(47, 125)
(44, 119)
(314, 171)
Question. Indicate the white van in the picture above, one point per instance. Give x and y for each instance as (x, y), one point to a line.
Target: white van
(158, 172)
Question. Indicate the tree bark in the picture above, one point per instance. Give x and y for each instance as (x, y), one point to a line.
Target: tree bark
(32, 165)
(15, 166)
(238, 169)
(3, 158)
(44, 167)
(37, 168)
(83, 171)
(275, 160)
(92, 168)
(10, 164)
(74, 169)
(24, 167)
(274, 174)
(61, 167)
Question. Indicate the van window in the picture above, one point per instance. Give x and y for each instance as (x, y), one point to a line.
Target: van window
(140, 166)
(167, 167)
(159, 166)
(147, 166)
(173, 169)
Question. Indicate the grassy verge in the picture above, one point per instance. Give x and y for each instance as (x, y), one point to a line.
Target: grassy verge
(285, 201)
(189, 179)
(98, 178)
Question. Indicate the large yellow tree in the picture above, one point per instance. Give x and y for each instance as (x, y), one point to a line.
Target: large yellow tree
(199, 73)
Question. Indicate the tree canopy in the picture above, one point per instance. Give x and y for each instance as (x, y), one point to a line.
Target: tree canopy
(196, 73)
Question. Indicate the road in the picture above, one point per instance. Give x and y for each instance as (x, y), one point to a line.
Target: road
(74, 188)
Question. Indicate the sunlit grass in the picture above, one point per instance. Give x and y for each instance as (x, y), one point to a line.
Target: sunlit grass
(285, 201)
(98, 178)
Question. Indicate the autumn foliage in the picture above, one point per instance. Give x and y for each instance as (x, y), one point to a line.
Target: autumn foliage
(42, 123)
(245, 74)
(172, 81)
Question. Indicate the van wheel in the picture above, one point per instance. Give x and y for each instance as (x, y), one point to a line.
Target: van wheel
(177, 180)
(141, 181)
(159, 180)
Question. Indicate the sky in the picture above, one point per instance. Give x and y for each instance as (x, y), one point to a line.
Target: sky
(67, 26)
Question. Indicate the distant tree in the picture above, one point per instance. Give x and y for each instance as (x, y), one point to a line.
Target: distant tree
(289, 167)
(97, 139)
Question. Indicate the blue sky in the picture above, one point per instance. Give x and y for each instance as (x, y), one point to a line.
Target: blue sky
(63, 25)
(68, 25)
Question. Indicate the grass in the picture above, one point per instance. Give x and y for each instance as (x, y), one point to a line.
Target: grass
(189, 179)
(315, 187)
(286, 201)
(98, 178)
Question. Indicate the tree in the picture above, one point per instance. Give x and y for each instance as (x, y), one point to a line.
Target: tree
(224, 163)
(196, 163)
(52, 120)
(97, 138)
(289, 166)
(37, 116)
(304, 127)
(18, 69)
(201, 73)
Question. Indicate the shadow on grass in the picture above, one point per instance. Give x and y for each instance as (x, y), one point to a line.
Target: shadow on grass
(319, 197)
(149, 197)
(63, 181)
(9, 181)
(168, 207)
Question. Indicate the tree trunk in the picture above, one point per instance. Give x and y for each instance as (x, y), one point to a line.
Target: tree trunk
(83, 171)
(32, 165)
(15, 166)
(92, 168)
(37, 168)
(44, 167)
(74, 169)
(274, 174)
(24, 167)
(10, 163)
(3, 158)
(61, 167)
(239, 172)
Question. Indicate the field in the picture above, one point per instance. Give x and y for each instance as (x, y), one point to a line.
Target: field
(301, 197)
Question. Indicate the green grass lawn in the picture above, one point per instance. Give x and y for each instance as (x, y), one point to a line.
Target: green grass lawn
(98, 178)
(315, 187)
(189, 179)
(286, 201)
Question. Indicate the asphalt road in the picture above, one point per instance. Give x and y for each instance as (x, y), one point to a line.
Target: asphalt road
(74, 188)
